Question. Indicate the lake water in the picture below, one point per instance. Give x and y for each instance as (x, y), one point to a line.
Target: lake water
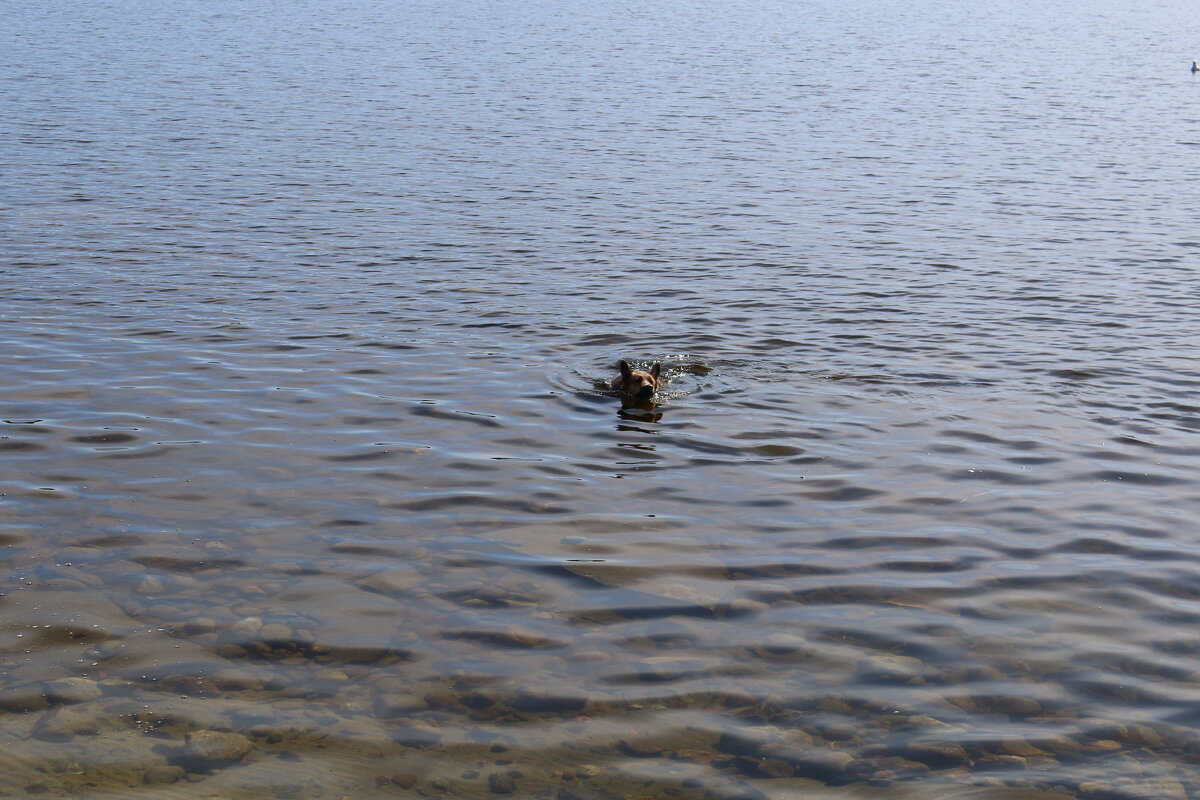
(311, 485)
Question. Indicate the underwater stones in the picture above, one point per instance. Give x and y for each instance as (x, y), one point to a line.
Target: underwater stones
(1167, 788)
(838, 731)
(749, 741)
(415, 734)
(774, 768)
(665, 669)
(275, 634)
(216, 747)
(63, 722)
(398, 580)
(785, 644)
(741, 607)
(72, 690)
(200, 625)
(501, 783)
(481, 698)
(1138, 735)
(1016, 746)
(921, 722)
(1059, 745)
(150, 585)
(737, 698)
(891, 669)
(442, 698)
(247, 626)
(61, 583)
(517, 636)
(1002, 762)
(963, 703)
(353, 646)
(834, 705)
(1097, 728)
(396, 704)
(818, 763)
(545, 702)
(696, 756)
(405, 780)
(640, 748)
(28, 698)
(234, 679)
(798, 737)
(1015, 706)
(938, 754)
(511, 636)
(160, 774)
(887, 768)
(589, 657)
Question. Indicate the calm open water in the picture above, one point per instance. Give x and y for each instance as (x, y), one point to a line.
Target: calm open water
(310, 486)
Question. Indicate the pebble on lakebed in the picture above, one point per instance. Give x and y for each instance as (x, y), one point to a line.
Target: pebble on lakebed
(72, 690)
(216, 747)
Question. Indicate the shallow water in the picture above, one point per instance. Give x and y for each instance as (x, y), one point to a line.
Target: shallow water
(312, 487)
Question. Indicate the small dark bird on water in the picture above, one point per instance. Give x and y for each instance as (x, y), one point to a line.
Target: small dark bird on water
(1195, 68)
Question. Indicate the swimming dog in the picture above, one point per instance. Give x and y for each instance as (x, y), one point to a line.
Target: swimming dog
(638, 383)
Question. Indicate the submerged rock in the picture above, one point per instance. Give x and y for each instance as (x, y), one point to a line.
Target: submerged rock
(63, 722)
(938, 754)
(235, 679)
(886, 768)
(749, 741)
(891, 669)
(416, 734)
(72, 690)
(274, 633)
(547, 702)
(641, 748)
(774, 768)
(1002, 762)
(395, 704)
(163, 774)
(247, 626)
(200, 625)
(399, 580)
(216, 747)
(150, 585)
(501, 783)
(28, 698)
(1140, 735)
(817, 763)
(1015, 705)
(1016, 746)
(1167, 788)
(839, 731)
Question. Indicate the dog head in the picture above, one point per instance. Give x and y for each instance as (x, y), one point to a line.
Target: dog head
(639, 383)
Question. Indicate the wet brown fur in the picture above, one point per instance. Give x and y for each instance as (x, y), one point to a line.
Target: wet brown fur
(636, 382)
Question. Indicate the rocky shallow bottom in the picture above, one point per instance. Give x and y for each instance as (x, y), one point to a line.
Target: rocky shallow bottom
(197, 681)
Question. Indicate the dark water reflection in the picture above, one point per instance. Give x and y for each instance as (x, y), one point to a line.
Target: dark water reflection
(312, 487)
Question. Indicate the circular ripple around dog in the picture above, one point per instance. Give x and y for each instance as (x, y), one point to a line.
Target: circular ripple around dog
(685, 375)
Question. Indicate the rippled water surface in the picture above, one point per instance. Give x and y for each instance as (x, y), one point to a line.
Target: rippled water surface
(311, 482)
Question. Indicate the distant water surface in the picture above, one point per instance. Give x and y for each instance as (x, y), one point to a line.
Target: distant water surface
(311, 485)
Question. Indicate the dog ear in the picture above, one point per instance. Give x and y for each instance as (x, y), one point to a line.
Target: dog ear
(626, 371)
(657, 368)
